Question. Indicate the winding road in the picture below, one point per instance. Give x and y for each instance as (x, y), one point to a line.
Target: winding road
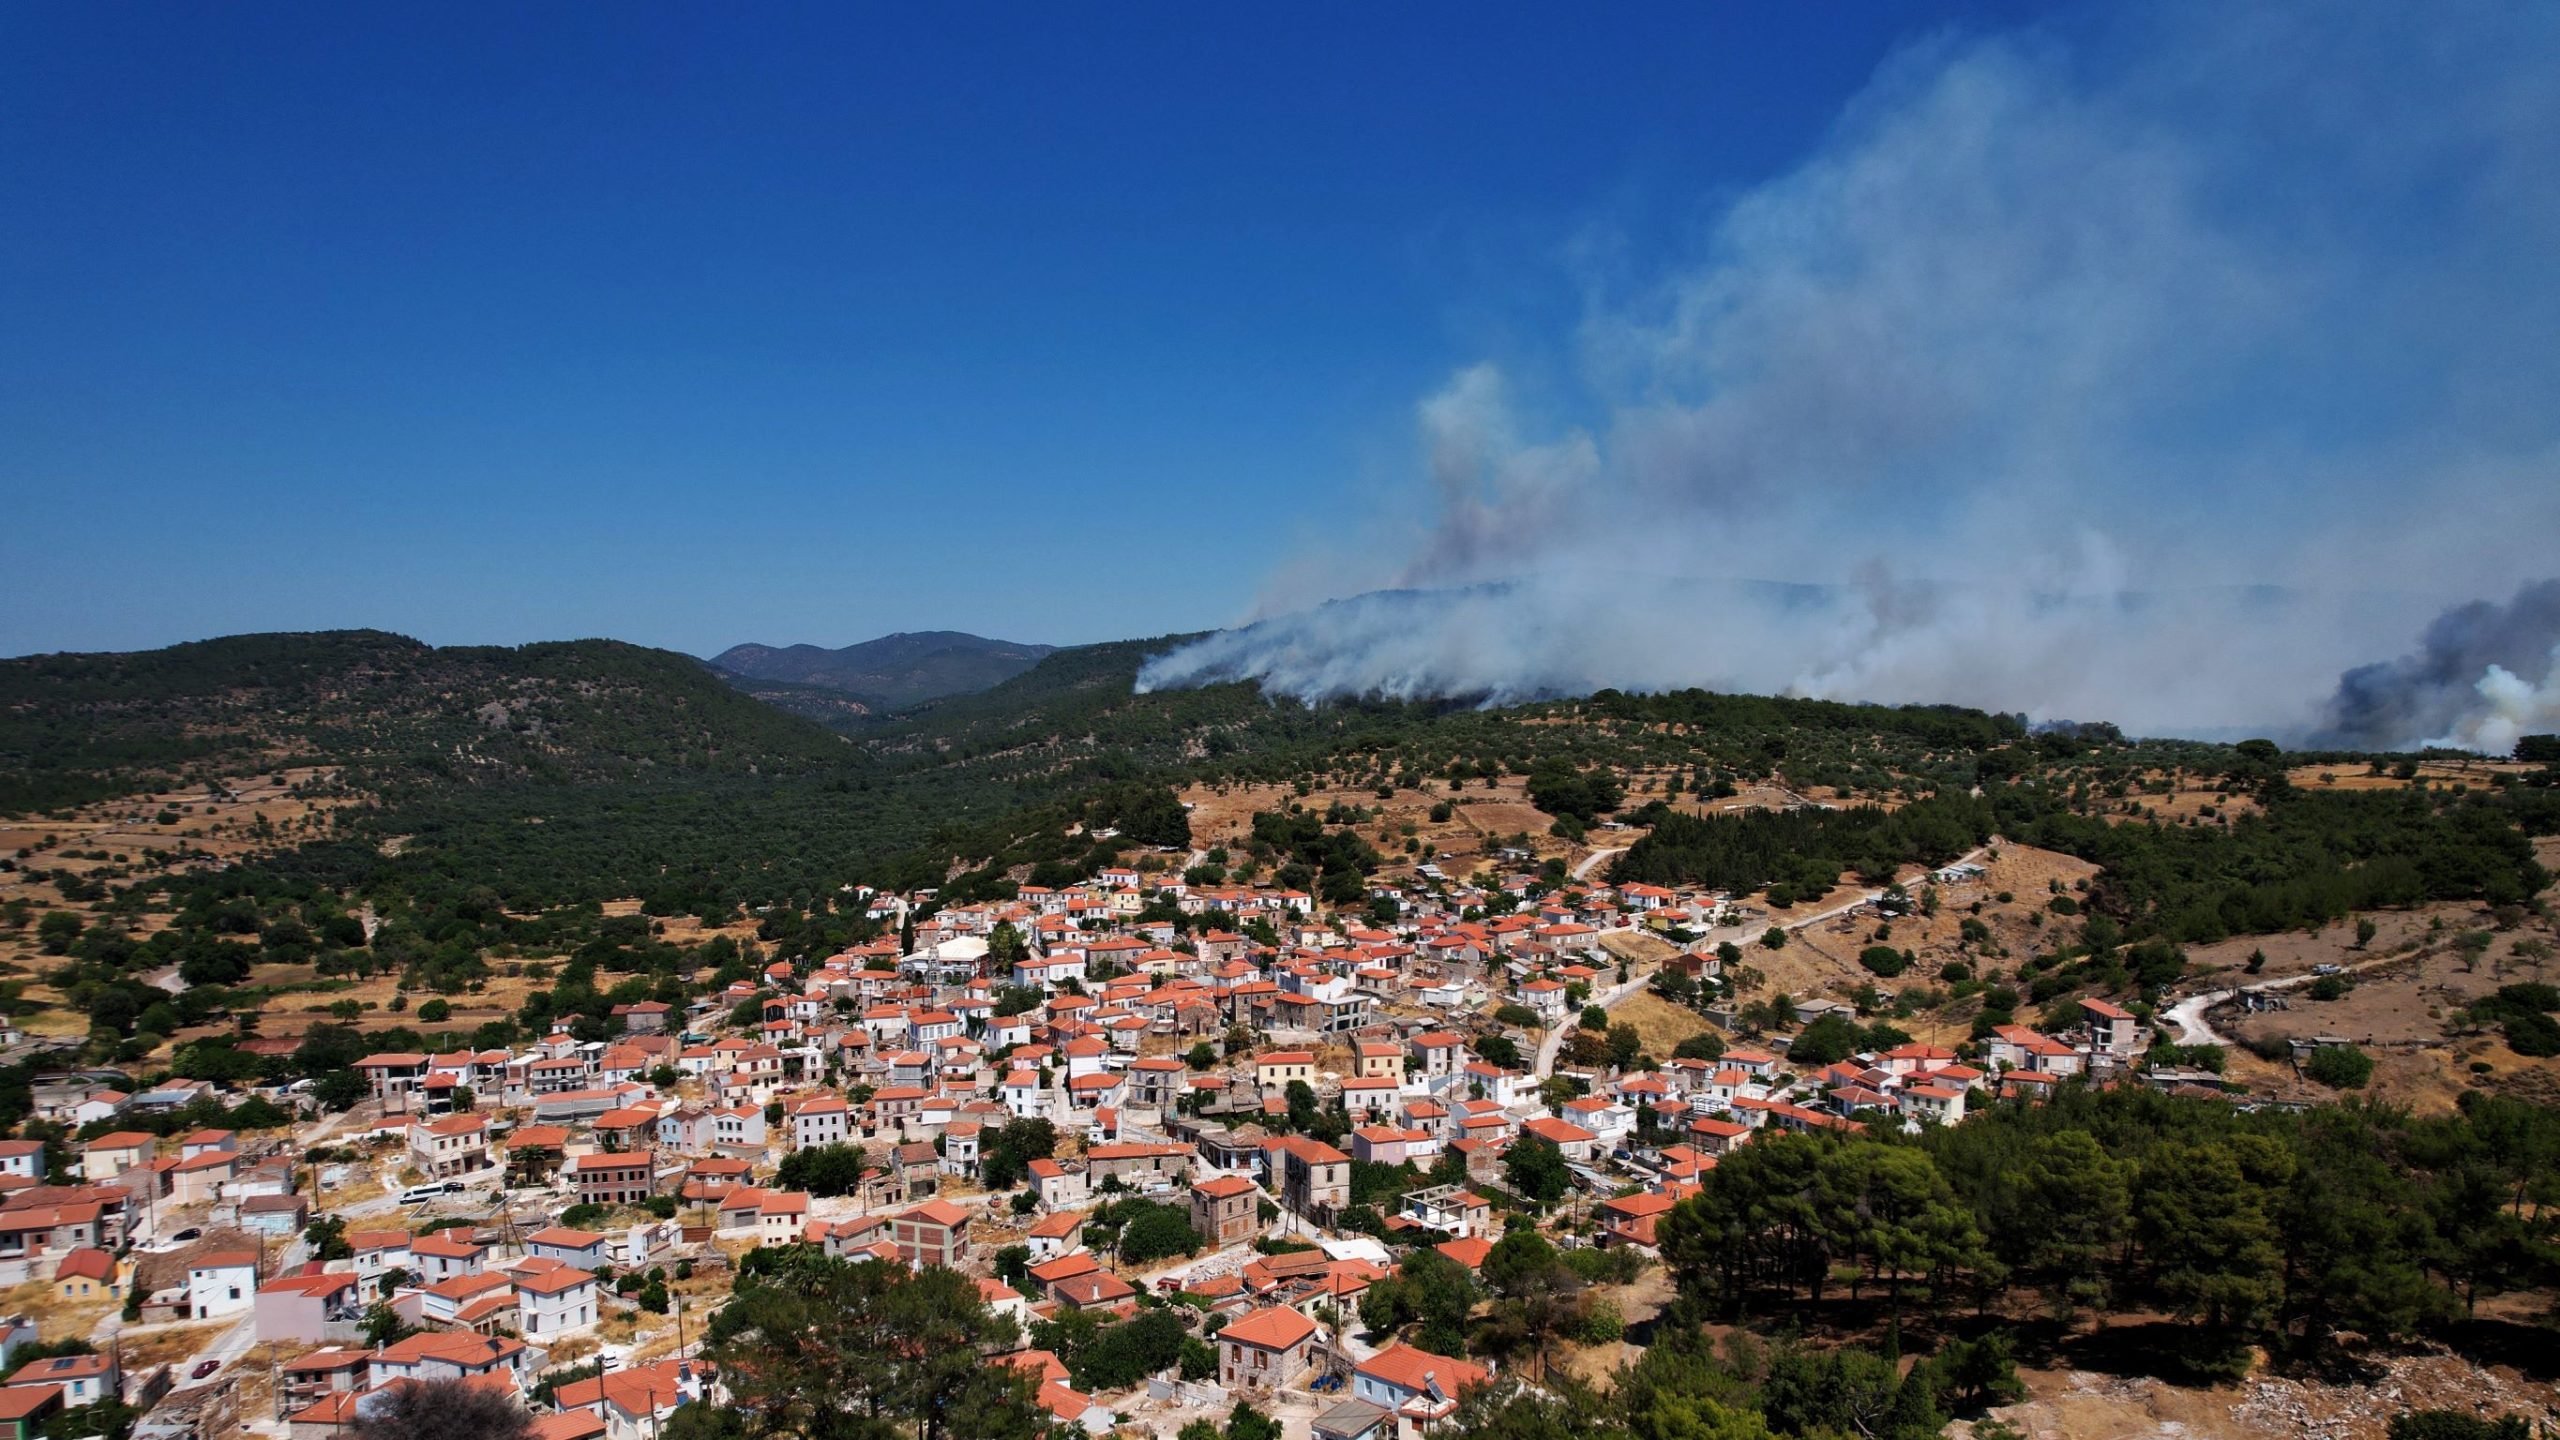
(1743, 934)
(1592, 861)
(1552, 1042)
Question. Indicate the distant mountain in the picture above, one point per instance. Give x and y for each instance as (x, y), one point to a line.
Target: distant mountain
(889, 673)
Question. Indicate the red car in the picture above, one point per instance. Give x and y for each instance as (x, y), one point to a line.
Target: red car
(206, 1368)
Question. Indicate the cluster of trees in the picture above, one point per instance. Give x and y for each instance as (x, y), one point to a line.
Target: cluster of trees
(1116, 1356)
(1804, 849)
(1707, 717)
(1684, 1389)
(1141, 1231)
(1145, 813)
(1561, 788)
(817, 1348)
(1529, 1297)
(2523, 1014)
(1004, 1159)
(2304, 858)
(822, 1170)
(1835, 1037)
(1535, 1170)
(1335, 864)
(2251, 1228)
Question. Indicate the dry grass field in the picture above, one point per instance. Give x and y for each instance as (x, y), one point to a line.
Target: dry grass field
(2436, 772)
(56, 1318)
(1822, 958)
(1481, 819)
(2409, 984)
(2179, 798)
(1662, 1024)
(115, 840)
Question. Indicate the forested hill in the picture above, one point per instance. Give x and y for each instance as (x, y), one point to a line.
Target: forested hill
(574, 772)
(78, 727)
(891, 672)
(646, 774)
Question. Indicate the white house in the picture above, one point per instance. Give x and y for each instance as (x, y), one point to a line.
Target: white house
(1416, 1386)
(555, 1302)
(222, 1283)
(819, 1120)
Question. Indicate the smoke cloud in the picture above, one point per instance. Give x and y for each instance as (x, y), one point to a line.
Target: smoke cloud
(2158, 366)
(2481, 676)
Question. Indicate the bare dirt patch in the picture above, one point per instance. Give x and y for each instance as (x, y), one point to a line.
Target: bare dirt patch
(144, 1349)
(2088, 1405)
(2403, 1009)
(2298, 952)
(1636, 947)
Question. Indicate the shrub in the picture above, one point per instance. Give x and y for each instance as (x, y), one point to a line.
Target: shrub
(2340, 1067)
(1600, 1323)
(2455, 1425)
(2532, 1034)
(1705, 1045)
(2530, 995)
(1884, 961)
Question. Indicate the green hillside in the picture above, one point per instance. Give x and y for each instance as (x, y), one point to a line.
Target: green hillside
(502, 794)
(80, 727)
(888, 673)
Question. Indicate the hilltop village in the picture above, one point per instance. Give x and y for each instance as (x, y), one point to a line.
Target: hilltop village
(1116, 1100)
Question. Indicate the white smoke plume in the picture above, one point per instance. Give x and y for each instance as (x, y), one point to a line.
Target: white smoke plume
(2511, 709)
(2482, 676)
(2155, 367)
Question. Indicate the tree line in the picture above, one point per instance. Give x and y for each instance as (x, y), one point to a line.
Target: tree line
(2268, 1228)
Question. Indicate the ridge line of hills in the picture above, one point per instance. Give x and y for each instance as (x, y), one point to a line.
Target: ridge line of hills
(888, 673)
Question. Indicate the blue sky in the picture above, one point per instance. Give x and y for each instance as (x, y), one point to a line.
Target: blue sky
(699, 325)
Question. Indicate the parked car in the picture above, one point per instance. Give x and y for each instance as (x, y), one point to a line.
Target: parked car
(190, 1233)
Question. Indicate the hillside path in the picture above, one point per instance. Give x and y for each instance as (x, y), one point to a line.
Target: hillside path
(2187, 1016)
(1592, 861)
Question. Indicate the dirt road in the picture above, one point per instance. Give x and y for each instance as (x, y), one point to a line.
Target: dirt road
(1592, 861)
(1742, 934)
(2187, 1016)
(1552, 1043)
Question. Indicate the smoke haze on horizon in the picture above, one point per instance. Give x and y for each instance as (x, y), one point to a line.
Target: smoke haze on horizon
(2158, 368)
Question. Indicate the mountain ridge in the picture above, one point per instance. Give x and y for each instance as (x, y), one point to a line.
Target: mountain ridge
(891, 672)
